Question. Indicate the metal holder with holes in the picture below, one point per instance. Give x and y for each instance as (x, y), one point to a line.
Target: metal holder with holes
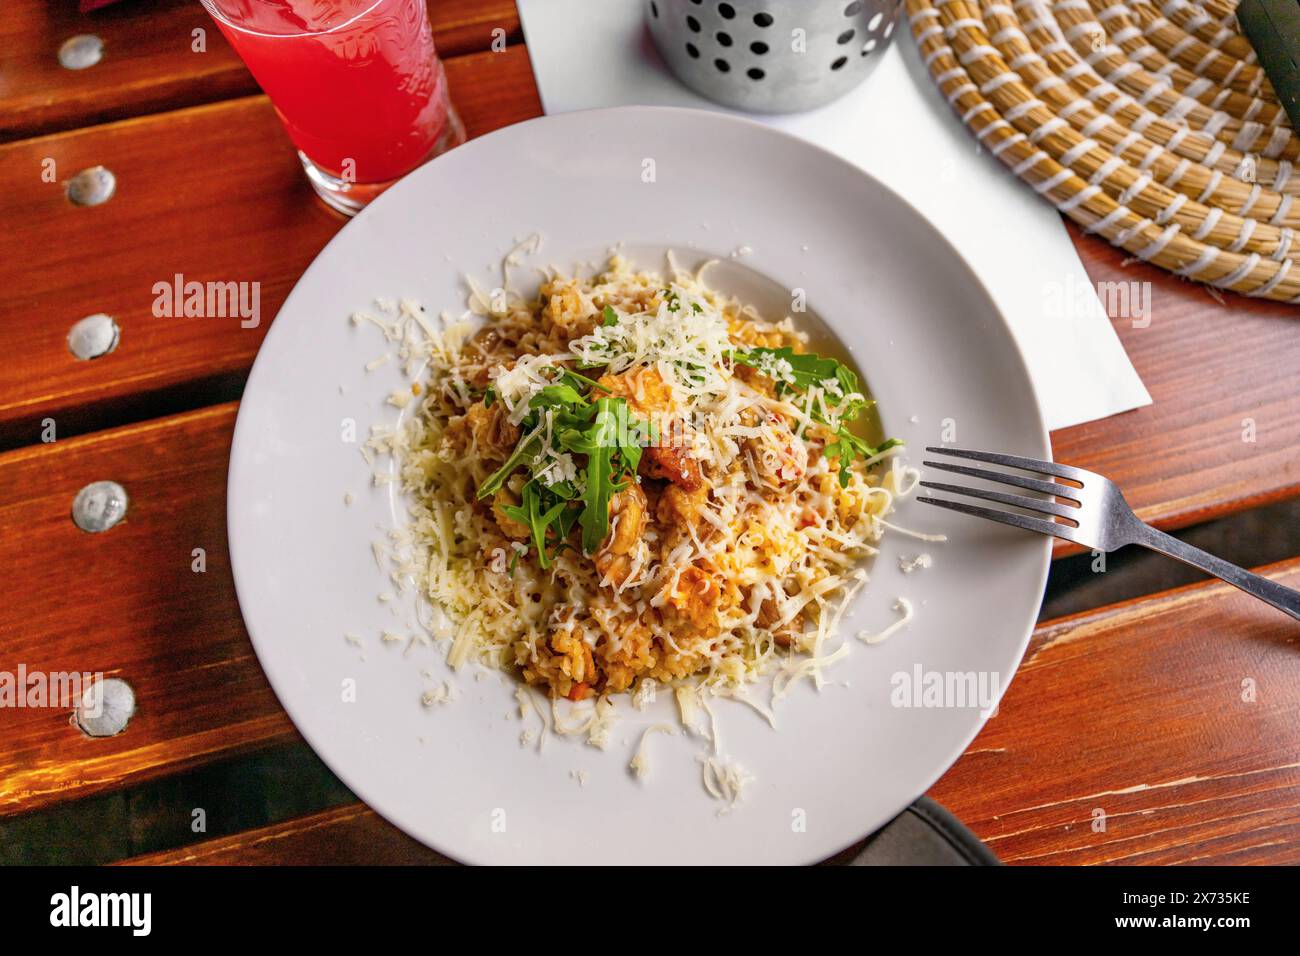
(771, 56)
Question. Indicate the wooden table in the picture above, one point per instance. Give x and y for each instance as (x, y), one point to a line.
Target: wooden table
(1135, 713)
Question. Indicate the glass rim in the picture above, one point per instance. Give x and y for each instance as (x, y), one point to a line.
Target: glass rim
(215, 12)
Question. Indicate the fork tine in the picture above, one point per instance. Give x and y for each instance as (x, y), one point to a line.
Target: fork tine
(1015, 461)
(1007, 517)
(1019, 501)
(1020, 481)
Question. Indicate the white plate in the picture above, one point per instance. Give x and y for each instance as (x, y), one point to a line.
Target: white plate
(934, 351)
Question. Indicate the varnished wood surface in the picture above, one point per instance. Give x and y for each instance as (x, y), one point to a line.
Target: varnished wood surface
(352, 834)
(127, 603)
(1171, 721)
(213, 193)
(150, 63)
(1123, 739)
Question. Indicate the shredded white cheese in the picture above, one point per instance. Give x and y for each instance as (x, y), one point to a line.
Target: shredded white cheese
(725, 780)
(640, 764)
(921, 561)
(904, 607)
(444, 693)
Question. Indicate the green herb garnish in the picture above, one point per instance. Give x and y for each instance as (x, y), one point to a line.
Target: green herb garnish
(800, 371)
(594, 427)
(598, 443)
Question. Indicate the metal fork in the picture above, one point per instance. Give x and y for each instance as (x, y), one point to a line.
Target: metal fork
(1102, 519)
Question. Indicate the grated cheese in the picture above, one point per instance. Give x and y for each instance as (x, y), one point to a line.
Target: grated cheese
(904, 607)
(921, 561)
(725, 780)
(444, 693)
(690, 710)
(640, 764)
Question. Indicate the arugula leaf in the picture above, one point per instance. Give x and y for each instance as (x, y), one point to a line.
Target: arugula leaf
(597, 427)
(807, 369)
(847, 446)
(570, 409)
(844, 448)
(529, 513)
(633, 435)
(557, 396)
(612, 455)
(565, 490)
(550, 517)
(631, 453)
(525, 451)
(600, 444)
(576, 380)
(568, 518)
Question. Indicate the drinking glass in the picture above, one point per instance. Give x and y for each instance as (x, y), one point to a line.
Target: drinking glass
(357, 84)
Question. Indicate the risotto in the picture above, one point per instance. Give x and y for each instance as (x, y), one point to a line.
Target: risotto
(632, 479)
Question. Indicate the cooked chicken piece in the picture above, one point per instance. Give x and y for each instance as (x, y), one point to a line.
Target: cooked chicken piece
(673, 463)
(679, 507)
(768, 616)
(490, 430)
(649, 396)
(508, 525)
(647, 393)
(627, 515)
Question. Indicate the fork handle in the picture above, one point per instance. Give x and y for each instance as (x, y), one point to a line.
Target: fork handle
(1283, 598)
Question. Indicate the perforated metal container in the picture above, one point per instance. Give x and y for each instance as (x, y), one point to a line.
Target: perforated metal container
(772, 56)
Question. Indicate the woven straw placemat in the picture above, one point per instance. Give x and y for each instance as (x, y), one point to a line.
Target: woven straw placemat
(1150, 125)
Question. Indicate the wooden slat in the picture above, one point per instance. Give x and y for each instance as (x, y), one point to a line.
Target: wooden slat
(127, 603)
(352, 834)
(149, 64)
(1182, 460)
(213, 193)
(1138, 711)
(1134, 710)
(1210, 367)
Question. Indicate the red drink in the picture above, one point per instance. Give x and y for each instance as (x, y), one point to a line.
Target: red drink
(357, 84)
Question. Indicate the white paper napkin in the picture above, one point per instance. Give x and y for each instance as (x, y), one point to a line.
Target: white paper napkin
(591, 53)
